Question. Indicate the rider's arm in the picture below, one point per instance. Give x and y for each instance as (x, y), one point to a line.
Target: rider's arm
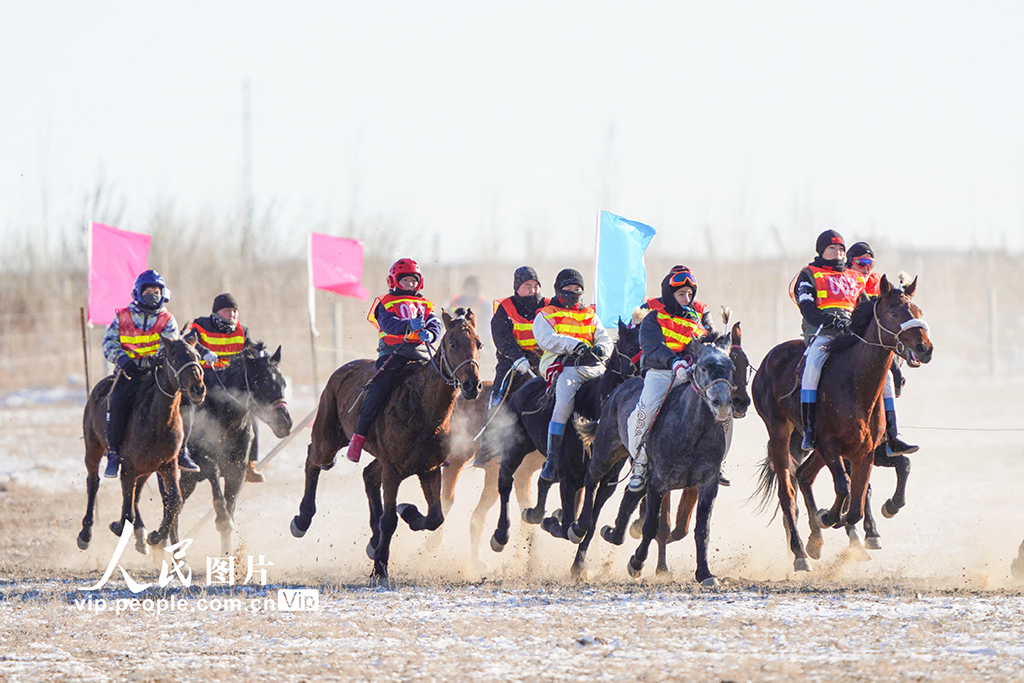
(112, 349)
(807, 300)
(389, 323)
(433, 325)
(170, 329)
(652, 342)
(547, 339)
(504, 340)
(601, 339)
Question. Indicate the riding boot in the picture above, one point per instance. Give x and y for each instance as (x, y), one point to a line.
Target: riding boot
(638, 477)
(807, 411)
(113, 464)
(355, 447)
(253, 475)
(897, 445)
(722, 481)
(550, 470)
(185, 462)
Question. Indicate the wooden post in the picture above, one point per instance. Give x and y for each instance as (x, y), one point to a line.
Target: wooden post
(85, 351)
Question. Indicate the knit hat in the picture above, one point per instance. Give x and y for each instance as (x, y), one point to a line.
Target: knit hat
(523, 274)
(224, 301)
(859, 249)
(568, 277)
(828, 238)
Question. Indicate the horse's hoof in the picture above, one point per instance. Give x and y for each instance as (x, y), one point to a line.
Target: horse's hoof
(814, 549)
(557, 514)
(801, 564)
(608, 534)
(663, 573)
(155, 538)
(553, 527)
(824, 519)
(83, 544)
(576, 534)
(141, 546)
(634, 568)
(533, 515)
(117, 528)
(636, 529)
(873, 543)
(578, 572)
(496, 545)
(298, 531)
(371, 551)
(711, 582)
(889, 510)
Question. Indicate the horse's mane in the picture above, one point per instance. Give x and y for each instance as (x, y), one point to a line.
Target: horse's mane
(861, 317)
(711, 338)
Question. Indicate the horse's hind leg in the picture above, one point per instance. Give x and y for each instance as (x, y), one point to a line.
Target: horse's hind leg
(687, 502)
(662, 538)
(652, 521)
(630, 499)
(372, 474)
(535, 514)
(430, 482)
(127, 501)
(509, 464)
(488, 497)
(307, 508)
(171, 495)
(556, 525)
(140, 526)
(778, 453)
(872, 539)
(861, 475)
(388, 522)
(605, 489)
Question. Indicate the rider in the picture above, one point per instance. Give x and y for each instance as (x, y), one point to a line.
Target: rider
(132, 337)
(861, 259)
(225, 337)
(512, 328)
(406, 323)
(575, 346)
(826, 291)
(674, 320)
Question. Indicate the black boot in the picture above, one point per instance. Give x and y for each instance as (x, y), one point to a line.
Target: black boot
(807, 411)
(186, 463)
(113, 464)
(550, 470)
(896, 444)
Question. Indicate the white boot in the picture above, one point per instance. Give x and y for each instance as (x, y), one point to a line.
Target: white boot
(638, 477)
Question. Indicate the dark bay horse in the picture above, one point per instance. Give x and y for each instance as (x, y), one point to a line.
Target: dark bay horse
(531, 407)
(411, 435)
(685, 449)
(850, 419)
(223, 432)
(152, 439)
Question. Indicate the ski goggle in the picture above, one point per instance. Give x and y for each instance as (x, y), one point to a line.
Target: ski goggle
(682, 278)
(864, 261)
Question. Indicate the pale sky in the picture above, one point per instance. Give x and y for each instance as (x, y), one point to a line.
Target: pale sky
(482, 122)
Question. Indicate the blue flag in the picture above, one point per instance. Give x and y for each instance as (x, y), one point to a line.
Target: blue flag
(621, 274)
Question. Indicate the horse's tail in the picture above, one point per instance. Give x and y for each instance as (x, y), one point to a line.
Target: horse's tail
(767, 483)
(587, 429)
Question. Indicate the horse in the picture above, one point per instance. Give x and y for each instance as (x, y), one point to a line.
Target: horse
(223, 433)
(152, 439)
(850, 420)
(410, 436)
(685, 449)
(688, 498)
(532, 406)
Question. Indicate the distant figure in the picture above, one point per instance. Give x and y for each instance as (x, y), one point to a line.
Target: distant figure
(470, 297)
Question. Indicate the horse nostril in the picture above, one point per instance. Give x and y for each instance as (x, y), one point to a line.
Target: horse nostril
(921, 348)
(479, 387)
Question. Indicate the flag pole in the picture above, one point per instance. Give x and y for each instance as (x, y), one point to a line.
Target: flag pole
(312, 313)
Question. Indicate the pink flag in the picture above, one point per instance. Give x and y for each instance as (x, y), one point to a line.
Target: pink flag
(336, 264)
(116, 257)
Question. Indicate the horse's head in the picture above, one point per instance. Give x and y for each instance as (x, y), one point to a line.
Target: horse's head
(900, 323)
(627, 346)
(712, 375)
(459, 351)
(740, 397)
(181, 368)
(265, 385)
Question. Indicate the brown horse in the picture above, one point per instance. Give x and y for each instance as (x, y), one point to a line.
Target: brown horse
(151, 443)
(850, 420)
(411, 435)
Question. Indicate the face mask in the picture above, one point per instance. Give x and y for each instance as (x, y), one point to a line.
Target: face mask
(151, 300)
(570, 299)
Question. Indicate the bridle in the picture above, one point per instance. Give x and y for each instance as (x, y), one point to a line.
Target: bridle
(177, 375)
(702, 391)
(450, 379)
(248, 389)
(899, 347)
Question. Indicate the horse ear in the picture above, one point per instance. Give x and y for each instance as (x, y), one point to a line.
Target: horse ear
(446, 318)
(276, 358)
(862, 297)
(191, 339)
(471, 317)
(737, 336)
(884, 286)
(909, 289)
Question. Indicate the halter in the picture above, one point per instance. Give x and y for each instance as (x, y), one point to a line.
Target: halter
(248, 390)
(177, 375)
(702, 391)
(451, 380)
(899, 347)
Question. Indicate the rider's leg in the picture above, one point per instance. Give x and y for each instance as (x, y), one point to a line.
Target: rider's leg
(566, 386)
(897, 445)
(504, 365)
(252, 475)
(657, 384)
(119, 408)
(373, 400)
(815, 359)
(185, 461)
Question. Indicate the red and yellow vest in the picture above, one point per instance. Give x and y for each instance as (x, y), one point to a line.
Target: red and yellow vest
(578, 324)
(225, 346)
(406, 308)
(522, 329)
(872, 283)
(836, 290)
(140, 343)
(678, 331)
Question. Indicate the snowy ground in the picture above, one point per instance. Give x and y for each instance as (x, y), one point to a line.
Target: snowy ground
(936, 604)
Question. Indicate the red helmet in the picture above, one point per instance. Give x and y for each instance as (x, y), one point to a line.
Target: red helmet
(401, 268)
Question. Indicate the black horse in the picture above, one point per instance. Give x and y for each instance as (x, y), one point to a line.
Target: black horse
(531, 407)
(685, 449)
(224, 432)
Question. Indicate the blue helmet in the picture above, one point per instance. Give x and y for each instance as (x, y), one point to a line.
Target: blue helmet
(150, 278)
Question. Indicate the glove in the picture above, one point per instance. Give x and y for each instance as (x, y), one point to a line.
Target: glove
(129, 367)
(840, 323)
(681, 368)
(416, 324)
(581, 350)
(427, 336)
(522, 366)
(210, 357)
(598, 352)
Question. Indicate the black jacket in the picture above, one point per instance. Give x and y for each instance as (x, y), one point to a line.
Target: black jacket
(807, 300)
(505, 343)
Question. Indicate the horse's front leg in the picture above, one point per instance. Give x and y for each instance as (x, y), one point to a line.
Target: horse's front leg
(127, 499)
(652, 521)
(140, 526)
(861, 471)
(92, 484)
(535, 515)
(806, 473)
(307, 508)
(388, 522)
(835, 517)
(901, 464)
(488, 497)
(687, 502)
(556, 524)
(702, 533)
(872, 539)
(604, 491)
(430, 482)
(509, 464)
(171, 495)
(234, 476)
(664, 528)
(372, 476)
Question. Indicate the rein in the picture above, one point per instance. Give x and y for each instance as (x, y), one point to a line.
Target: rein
(899, 347)
(451, 380)
(177, 375)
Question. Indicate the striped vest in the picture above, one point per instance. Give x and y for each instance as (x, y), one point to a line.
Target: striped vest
(578, 324)
(836, 290)
(225, 346)
(140, 343)
(522, 329)
(677, 330)
(406, 308)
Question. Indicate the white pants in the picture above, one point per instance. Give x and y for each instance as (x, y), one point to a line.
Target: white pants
(816, 355)
(568, 383)
(657, 384)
